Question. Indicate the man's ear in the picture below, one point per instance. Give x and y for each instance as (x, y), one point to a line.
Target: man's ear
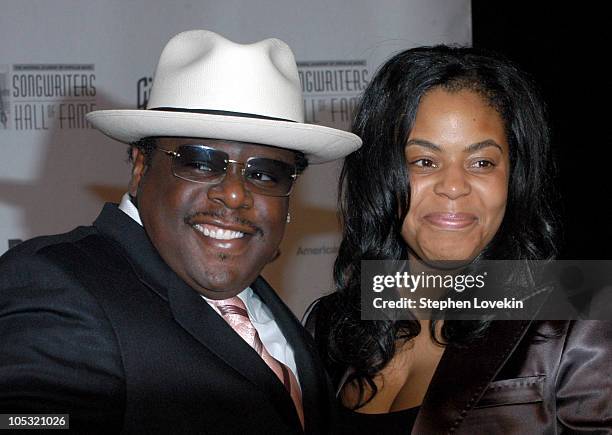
(139, 168)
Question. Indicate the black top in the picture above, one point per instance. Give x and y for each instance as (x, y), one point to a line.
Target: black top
(392, 423)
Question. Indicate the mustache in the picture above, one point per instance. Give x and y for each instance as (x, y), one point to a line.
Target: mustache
(221, 215)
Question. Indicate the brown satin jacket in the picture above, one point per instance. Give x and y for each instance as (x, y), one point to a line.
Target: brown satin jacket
(523, 377)
(518, 381)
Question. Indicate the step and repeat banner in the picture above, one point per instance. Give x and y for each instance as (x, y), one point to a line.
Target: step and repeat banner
(61, 59)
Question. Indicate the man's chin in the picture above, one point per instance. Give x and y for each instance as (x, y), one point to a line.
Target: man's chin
(221, 285)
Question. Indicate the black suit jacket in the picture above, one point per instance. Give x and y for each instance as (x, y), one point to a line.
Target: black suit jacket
(94, 323)
(522, 377)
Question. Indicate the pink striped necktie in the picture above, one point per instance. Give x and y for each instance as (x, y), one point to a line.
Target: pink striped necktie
(235, 314)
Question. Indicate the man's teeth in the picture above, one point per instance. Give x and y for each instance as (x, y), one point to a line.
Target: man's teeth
(219, 233)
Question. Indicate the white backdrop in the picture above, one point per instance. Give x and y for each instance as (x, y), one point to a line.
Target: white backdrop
(62, 58)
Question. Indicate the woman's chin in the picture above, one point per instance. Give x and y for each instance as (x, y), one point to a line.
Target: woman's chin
(447, 259)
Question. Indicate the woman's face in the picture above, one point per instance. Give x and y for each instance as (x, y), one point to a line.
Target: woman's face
(458, 164)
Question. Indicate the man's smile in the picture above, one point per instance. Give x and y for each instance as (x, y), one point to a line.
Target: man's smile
(218, 233)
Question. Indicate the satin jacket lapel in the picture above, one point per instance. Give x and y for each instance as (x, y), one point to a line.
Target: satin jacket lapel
(188, 308)
(464, 372)
(463, 375)
(315, 394)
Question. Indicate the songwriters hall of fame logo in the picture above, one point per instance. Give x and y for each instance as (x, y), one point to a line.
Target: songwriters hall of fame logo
(44, 96)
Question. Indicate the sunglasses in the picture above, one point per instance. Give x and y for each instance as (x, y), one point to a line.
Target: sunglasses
(203, 164)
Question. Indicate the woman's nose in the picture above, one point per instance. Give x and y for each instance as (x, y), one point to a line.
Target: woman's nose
(452, 182)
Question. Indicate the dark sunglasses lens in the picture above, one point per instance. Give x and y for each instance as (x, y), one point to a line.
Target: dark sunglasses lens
(200, 164)
(269, 177)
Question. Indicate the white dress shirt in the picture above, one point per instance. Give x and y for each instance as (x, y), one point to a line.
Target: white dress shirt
(271, 335)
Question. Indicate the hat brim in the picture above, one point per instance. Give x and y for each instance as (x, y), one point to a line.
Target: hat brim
(319, 144)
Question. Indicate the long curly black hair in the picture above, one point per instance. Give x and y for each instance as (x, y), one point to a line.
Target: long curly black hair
(375, 196)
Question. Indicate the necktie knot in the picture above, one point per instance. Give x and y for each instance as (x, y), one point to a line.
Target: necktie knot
(222, 304)
(231, 307)
(236, 315)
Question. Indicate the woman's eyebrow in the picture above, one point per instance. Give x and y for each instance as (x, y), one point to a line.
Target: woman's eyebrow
(423, 143)
(470, 148)
(483, 144)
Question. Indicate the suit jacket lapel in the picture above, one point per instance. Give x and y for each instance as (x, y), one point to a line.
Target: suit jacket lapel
(189, 309)
(136, 248)
(205, 325)
(315, 393)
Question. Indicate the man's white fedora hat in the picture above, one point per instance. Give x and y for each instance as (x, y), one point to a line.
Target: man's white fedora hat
(209, 87)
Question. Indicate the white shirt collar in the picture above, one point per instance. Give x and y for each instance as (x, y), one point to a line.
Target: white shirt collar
(129, 208)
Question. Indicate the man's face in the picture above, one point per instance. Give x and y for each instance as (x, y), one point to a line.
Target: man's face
(177, 214)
